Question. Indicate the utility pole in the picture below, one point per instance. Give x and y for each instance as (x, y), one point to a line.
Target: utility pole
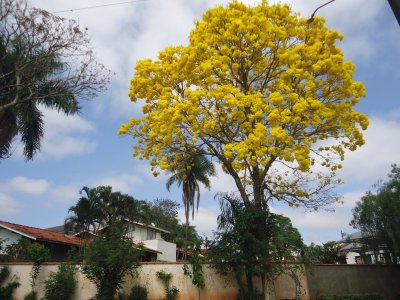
(395, 5)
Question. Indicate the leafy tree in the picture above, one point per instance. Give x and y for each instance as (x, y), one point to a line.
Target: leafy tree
(108, 259)
(327, 253)
(163, 213)
(45, 60)
(377, 215)
(186, 236)
(258, 88)
(250, 243)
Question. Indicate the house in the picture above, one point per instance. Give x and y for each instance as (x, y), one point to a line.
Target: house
(357, 252)
(150, 236)
(58, 244)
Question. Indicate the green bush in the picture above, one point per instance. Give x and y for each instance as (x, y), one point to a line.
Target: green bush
(138, 293)
(352, 297)
(61, 284)
(7, 291)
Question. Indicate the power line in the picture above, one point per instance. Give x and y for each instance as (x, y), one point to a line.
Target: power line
(97, 6)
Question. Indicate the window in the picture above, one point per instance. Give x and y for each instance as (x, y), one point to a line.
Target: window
(151, 234)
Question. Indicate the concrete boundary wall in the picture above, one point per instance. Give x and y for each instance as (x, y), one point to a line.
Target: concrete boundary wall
(354, 279)
(217, 287)
(318, 280)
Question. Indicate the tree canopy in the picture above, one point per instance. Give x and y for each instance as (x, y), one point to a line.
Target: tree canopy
(377, 215)
(261, 90)
(45, 60)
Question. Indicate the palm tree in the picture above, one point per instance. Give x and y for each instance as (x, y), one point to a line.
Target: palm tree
(25, 118)
(115, 206)
(85, 213)
(198, 170)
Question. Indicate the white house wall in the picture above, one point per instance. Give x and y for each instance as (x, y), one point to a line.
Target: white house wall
(351, 257)
(167, 249)
(139, 234)
(8, 237)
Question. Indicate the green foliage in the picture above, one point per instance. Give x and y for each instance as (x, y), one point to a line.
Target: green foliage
(185, 235)
(138, 293)
(352, 297)
(108, 259)
(163, 213)
(378, 217)
(250, 241)
(7, 290)
(18, 250)
(170, 291)
(327, 253)
(101, 206)
(38, 254)
(196, 260)
(60, 285)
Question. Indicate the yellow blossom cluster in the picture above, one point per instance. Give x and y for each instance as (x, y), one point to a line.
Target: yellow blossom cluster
(255, 85)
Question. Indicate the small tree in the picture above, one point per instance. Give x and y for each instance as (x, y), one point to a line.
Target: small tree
(253, 243)
(108, 259)
(60, 285)
(327, 253)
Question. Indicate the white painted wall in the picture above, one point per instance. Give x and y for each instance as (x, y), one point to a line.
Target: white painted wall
(351, 257)
(168, 249)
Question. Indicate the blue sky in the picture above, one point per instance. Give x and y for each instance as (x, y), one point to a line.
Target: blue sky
(86, 150)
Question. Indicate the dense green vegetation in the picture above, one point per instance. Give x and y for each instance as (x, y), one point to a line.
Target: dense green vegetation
(377, 215)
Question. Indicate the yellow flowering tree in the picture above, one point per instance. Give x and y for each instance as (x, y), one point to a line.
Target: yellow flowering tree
(267, 94)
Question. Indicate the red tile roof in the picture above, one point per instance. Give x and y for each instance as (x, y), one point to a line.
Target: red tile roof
(41, 234)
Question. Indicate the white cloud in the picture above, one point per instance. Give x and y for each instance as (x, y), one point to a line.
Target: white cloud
(62, 146)
(123, 183)
(205, 220)
(372, 161)
(322, 225)
(66, 194)
(61, 135)
(27, 185)
(9, 207)
(61, 124)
